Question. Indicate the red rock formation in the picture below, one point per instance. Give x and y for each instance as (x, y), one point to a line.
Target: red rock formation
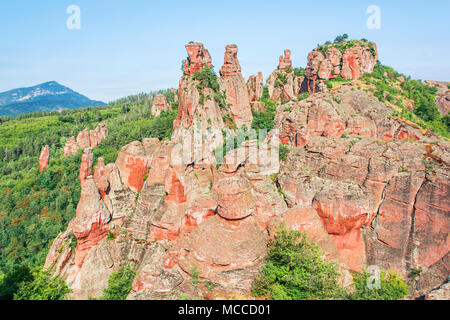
(283, 84)
(233, 83)
(255, 87)
(366, 199)
(43, 158)
(91, 223)
(285, 62)
(198, 58)
(85, 139)
(160, 104)
(133, 164)
(352, 64)
(86, 167)
(97, 135)
(71, 147)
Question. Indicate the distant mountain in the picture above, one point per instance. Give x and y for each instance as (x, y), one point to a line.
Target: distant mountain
(47, 96)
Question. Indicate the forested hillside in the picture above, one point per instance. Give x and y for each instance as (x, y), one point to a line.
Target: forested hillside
(36, 206)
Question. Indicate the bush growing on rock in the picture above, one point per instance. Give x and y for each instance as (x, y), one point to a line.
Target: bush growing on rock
(392, 287)
(119, 284)
(295, 270)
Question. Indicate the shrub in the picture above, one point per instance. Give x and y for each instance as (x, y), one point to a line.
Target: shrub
(392, 287)
(42, 287)
(119, 284)
(295, 270)
(283, 152)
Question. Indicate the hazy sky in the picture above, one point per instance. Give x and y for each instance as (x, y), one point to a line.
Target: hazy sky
(127, 47)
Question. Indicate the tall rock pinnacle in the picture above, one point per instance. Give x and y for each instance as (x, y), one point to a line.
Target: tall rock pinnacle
(233, 83)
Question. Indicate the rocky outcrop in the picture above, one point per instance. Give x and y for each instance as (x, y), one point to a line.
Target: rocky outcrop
(86, 139)
(133, 164)
(160, 105)
(255, 87)
(43, 158)
(442, 95)
(190, 110)
(328, 62)
(351, 113)
(233, 84)
(87, 165)
(283, 84)
(354, 181)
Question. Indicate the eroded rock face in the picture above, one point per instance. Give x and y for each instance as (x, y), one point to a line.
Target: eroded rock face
(43, 158)
(133, 164)
(198, 109)
(160, 104)
(353, 63)
(255, 87)
(347, 112)
(283, 84)
(86, 139)
(87, 164)
(233, 83)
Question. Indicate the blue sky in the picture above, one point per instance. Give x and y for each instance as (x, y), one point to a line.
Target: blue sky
(127, 47)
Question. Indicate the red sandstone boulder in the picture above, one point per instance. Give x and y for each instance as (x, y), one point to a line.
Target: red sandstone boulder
(235, 198)
(43, 158)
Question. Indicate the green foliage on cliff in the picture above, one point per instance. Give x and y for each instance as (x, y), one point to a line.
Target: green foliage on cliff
(342, 44)
(389, 88)
(23, 283)
(119, 284)
(207, 78)
(295, 270)
(42, 286)
(392, 287)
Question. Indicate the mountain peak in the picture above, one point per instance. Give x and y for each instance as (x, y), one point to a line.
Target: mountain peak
(47, 96)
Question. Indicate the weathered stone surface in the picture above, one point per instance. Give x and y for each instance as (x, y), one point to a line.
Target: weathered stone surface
(71, 147)
(86, 167)
(86, 139)
(215, 248)
(235, 198)
(43, 158)
(133, 164)
(160, 105)
(285, 62)
(232, 82)
(352, 64)
(255, 87)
